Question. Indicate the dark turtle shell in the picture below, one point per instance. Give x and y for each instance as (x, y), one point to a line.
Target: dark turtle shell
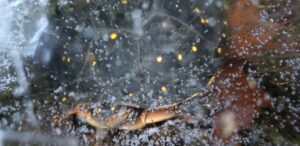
(165, 53)
(150, 52)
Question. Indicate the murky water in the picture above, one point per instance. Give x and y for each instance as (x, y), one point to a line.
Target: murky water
(56, 54)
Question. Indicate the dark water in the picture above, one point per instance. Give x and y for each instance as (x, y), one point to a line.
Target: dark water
(148, 53)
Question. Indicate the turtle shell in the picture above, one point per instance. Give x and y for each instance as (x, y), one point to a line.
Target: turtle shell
(151, 52)
(162, 53)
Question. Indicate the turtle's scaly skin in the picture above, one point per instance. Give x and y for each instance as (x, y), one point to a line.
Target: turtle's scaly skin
(152, 116)
(146, 117)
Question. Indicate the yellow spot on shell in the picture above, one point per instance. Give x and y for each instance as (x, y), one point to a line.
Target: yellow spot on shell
(219, 50)
(197, 11)
(69, 59)
(163, 88)
(63, 58)
(179, 57)
(164, 24)
(194, 48)
(130, 94)
(113, 109)
(203, 20)
(225, 22)
(94, 63)
(113, 36)
(64, 99)
(65, 46)
(159, 59)
(124, 2)
(99, 110)
(223, 35)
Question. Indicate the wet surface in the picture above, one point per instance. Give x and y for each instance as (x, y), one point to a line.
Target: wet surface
(117, 57)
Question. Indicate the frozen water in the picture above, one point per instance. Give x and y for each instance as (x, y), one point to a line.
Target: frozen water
(37, 138)
(137, 22)
(20, 30)
(21, 77)
(149, 53)
(22, 24)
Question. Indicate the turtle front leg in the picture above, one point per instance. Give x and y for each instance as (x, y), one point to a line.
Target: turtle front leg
(95, 122)
(81, 111)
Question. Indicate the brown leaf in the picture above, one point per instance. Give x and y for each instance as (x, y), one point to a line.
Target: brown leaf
(249, 35)
(238, 96)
